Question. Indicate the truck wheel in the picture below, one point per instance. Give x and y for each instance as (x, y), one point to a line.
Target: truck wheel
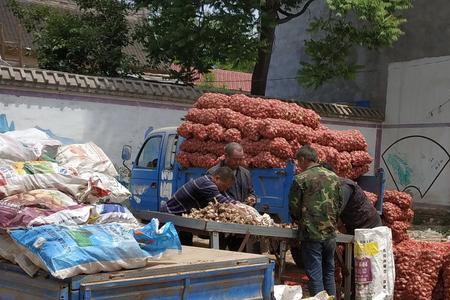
(297, 256)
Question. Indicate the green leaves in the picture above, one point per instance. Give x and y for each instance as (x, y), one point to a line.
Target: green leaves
(89, 42)
(196, 35)
(371, 24)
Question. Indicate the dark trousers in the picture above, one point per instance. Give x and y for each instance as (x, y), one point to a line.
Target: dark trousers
(318, 259)
(186, 238)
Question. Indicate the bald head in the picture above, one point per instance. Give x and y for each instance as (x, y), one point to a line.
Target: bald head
(232, 147)
(234, 155)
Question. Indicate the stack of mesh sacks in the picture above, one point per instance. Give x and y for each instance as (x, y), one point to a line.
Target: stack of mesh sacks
(397, 214)
(422, 270)
(271, 132)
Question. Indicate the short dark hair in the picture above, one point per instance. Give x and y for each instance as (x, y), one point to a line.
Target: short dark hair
(327, 166)
(224, 173)
(307, 152)
(230, 147)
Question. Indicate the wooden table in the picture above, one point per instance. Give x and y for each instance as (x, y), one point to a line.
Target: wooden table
(282, 235)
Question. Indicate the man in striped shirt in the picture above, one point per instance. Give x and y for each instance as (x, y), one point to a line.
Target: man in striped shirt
(199, 192)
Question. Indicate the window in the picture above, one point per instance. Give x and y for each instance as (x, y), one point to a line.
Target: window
(170, 152)
(150, 154)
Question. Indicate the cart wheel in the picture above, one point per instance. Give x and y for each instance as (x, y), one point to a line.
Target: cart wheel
(297, 256)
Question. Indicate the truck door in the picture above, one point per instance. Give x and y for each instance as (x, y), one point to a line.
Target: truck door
(145, 175)
(167, 183)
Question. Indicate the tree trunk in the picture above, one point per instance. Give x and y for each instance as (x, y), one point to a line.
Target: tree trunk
(261, 70)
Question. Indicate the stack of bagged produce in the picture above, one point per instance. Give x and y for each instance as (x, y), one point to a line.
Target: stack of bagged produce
(422, 267)
(422, 270)
(271, 132)
(60, 209)
(397, 214)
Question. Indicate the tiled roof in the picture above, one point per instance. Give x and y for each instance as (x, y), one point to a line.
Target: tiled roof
(332, 110)
(232, 80)
(35, 79)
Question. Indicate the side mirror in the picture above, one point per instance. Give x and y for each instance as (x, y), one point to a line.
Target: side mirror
(126, 152)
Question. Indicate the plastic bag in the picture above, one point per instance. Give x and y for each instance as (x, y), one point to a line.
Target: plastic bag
(288, 292)
(321, 296)
(86, 158)
(374, 264)
(69, 251)
(155, 240)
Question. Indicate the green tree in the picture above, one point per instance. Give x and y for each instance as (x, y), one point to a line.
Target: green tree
(88, 41)
(196, 34)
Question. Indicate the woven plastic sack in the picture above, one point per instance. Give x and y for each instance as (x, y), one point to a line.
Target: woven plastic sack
(78, 215)
(86, 158)
(112, 213)
(69, 251)
(14, 150)
(374, 264)
(11, 252)
(20, 210)
(31, 175)
(37, 141)
(104, 188)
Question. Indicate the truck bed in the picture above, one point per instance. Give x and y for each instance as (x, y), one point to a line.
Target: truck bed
(196, 273)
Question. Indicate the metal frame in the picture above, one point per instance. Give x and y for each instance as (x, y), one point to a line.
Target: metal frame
(282, 235)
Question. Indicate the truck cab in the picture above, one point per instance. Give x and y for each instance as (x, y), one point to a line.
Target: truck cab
(156, 176)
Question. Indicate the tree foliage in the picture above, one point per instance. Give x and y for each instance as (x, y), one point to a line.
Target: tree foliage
(371, 24)
(198, 33)
(89, 41)
(195, 35)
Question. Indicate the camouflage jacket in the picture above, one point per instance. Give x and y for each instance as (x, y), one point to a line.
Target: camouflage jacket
(314, 200)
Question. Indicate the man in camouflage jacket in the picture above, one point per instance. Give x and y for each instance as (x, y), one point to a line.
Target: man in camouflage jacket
(314, 200)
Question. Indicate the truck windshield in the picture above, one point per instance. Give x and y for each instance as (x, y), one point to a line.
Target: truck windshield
(149, 155)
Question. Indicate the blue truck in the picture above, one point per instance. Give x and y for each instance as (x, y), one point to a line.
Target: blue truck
(196, 273)
(156, 176)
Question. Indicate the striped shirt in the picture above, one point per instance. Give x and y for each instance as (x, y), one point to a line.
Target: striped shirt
(196, 193)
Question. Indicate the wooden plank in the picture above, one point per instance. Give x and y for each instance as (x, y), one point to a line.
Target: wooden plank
(189, 260)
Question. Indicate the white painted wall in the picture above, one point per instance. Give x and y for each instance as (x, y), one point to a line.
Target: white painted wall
(418, 105)
(112, 125)
(416, 89)
(109, 125)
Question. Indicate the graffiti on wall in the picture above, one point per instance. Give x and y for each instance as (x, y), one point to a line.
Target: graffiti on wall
(415, 162)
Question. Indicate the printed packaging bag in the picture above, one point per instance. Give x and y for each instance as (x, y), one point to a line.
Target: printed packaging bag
(374, 264)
